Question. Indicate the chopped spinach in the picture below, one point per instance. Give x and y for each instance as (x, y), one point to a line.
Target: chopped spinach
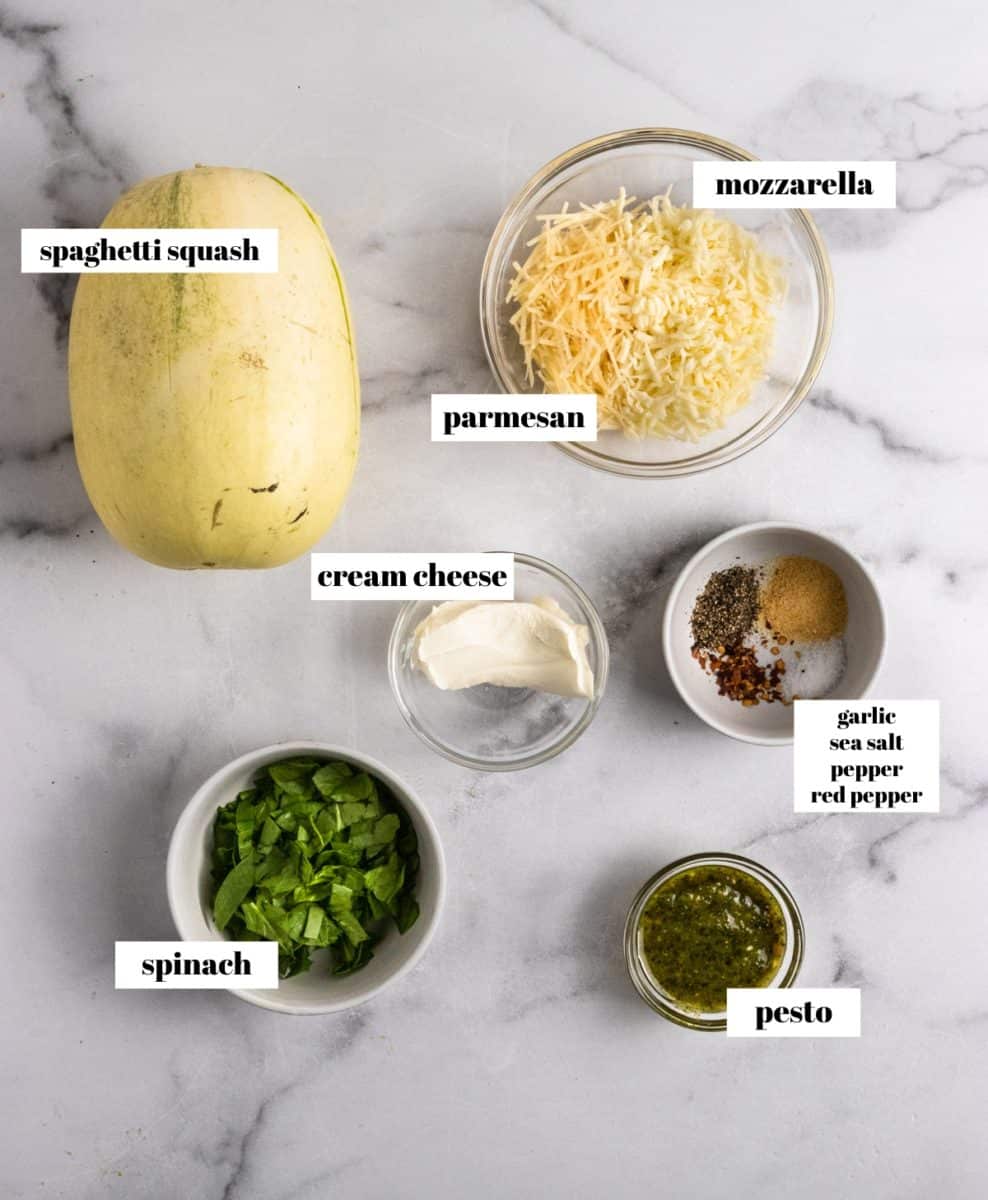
(314, 855)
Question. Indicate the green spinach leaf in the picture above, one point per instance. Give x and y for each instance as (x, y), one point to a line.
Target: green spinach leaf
(314, 855)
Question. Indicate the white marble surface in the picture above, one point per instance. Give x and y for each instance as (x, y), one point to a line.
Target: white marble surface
(516, 1061)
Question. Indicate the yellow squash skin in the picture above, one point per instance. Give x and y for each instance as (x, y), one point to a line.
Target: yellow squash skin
(216, 417)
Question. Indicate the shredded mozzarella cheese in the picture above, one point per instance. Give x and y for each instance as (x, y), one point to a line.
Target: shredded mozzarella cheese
(666, 313)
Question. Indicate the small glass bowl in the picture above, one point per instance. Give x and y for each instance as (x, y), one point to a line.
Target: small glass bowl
(490, 728)
(645, 982)
(645, 162)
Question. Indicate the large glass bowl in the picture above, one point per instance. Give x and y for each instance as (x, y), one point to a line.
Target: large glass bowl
(490, 728)
(645, 162)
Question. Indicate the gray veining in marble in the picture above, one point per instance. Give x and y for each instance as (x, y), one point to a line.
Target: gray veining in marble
(515, 1061)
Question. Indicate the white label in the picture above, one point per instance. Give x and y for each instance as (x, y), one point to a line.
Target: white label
(175, 965)
(794, 1012)
(413, 576)
(497, 418)
(866, 756)
(793, 184)
(149, 251)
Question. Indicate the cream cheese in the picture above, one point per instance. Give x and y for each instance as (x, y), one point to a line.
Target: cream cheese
(509, 643)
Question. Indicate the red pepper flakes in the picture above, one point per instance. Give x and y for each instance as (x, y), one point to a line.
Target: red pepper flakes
(740, 676)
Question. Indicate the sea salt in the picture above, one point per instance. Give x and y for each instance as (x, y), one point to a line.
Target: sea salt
(813, 669)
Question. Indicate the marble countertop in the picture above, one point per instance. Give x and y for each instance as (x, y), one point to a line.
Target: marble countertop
(515, 1061)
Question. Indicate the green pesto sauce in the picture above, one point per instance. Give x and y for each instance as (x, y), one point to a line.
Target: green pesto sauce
(710, 928)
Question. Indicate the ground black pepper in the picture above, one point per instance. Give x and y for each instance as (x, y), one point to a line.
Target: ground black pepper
(726, 610)
(725, 613)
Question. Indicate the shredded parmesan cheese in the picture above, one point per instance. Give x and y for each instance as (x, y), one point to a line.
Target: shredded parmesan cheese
(666, 313)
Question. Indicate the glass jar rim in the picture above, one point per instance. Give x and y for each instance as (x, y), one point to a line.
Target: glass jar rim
(642, 979)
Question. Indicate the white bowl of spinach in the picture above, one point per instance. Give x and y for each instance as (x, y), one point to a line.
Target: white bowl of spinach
(321, 850)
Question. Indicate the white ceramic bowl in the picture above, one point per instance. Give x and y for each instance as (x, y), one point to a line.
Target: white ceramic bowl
(770, 724)
(315, 991)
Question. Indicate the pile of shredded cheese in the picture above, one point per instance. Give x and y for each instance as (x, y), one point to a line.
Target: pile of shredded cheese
(666, 313)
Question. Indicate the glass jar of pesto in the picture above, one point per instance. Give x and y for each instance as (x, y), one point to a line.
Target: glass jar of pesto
(706, 923)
